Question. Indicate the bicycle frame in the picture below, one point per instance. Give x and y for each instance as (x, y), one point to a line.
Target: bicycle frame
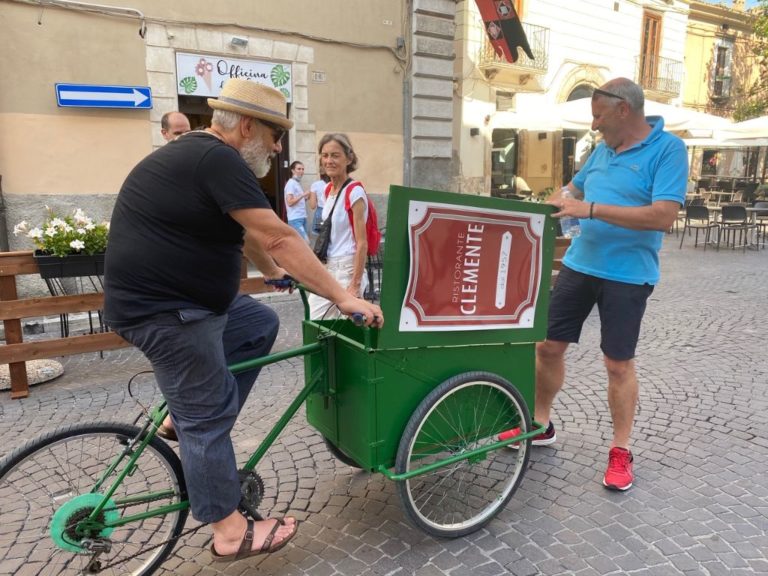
(136, 446)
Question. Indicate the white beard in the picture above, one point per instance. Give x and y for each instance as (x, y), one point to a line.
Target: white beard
(257, 157)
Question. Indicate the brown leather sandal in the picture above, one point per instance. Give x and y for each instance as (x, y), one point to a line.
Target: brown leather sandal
(167, 433)
(245, 546)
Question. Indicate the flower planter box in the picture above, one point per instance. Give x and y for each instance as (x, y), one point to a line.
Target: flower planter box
(70, 266)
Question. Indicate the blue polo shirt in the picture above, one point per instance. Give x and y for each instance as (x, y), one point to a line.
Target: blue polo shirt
(651, 170)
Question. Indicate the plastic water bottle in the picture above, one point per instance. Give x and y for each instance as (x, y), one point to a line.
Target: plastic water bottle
(568, 224)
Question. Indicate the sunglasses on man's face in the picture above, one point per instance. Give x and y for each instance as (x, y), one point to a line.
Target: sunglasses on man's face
(599, 92)
(277, 131)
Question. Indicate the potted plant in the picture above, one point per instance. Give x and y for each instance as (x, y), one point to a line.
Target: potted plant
(69, 246)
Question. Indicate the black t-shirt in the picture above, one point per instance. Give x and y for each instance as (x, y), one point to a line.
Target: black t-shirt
(172, 244)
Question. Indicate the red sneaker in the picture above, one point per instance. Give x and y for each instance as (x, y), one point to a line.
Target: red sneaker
(544, 439)
(619, 474)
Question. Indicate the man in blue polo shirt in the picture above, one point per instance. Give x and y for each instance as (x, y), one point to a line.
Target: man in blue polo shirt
(631, 189)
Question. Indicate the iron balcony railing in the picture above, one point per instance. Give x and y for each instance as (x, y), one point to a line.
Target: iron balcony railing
(538, 40)
(659, 74)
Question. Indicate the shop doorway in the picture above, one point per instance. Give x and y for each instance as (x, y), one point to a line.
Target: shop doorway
(273, 184)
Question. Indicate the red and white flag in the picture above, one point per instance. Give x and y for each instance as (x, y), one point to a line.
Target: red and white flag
(504, 29)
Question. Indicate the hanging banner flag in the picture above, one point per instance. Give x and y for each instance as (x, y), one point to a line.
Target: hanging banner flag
(504, 28)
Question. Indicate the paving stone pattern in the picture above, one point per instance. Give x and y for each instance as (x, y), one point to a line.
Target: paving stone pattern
(700, 501)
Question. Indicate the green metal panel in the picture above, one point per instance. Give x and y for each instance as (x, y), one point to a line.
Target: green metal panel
(397, 264)
(376, 391)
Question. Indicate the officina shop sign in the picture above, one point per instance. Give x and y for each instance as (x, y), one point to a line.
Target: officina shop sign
(204, 75)
(471, 268)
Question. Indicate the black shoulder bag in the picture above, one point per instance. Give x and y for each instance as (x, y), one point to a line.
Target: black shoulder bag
(324, 236)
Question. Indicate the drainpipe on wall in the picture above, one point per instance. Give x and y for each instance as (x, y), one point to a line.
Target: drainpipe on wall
(3, 224)
(407, 132)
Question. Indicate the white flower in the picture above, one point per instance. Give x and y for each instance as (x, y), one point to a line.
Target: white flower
(72, 234)
(20, 228)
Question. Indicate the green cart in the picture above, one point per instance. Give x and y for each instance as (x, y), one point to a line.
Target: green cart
(432, 409)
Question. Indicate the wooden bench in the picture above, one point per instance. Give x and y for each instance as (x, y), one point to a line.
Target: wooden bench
(13, 310)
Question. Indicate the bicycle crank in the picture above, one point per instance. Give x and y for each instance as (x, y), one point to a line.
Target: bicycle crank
(71, 529)
(251, 493)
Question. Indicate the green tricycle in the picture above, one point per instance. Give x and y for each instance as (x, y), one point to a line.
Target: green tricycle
(433, 401)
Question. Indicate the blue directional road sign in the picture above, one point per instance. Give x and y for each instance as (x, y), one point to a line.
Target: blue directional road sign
(94, 96)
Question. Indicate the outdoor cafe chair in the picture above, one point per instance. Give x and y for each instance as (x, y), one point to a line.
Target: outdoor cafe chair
(761, 221)
(690, 200)
(698, 218)
(733, 220)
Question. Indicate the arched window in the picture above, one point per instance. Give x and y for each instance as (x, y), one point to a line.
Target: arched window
(581, 91)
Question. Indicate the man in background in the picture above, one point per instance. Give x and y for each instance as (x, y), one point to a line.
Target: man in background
(173, 124)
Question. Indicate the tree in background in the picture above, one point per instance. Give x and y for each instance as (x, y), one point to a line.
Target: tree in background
(756, 103)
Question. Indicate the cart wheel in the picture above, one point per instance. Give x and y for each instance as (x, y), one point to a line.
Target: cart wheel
(463, 413)
(339, 455)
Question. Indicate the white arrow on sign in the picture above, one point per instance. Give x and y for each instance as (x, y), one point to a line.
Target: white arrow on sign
(136, 97)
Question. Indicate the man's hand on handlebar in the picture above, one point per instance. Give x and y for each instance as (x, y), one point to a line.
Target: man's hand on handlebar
(362, 312)
(281, 281)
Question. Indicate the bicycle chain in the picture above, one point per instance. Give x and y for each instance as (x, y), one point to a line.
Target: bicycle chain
(145, 550)
(253, 491)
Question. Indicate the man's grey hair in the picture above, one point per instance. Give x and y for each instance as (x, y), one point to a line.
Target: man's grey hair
(226, 119)
(630, 91)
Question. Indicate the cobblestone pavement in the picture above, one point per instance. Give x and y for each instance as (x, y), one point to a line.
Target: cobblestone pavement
(700, 500)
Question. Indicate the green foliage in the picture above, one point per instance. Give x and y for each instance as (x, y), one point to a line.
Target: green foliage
(76, 234)
(750, 109)
(757, 102)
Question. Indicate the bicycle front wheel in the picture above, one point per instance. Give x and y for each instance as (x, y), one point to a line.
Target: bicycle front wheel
(48, 487)
(462, 414)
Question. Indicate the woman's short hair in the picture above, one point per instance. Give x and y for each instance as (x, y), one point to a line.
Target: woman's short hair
(294, 164)
(343, 141)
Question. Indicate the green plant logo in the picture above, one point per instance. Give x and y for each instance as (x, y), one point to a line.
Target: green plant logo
(279, 75)
(189, 84)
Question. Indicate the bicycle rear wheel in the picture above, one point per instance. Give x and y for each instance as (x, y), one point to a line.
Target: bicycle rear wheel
(45, 489)
(462, 414)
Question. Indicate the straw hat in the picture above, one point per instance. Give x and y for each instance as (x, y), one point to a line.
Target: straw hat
(252, 99)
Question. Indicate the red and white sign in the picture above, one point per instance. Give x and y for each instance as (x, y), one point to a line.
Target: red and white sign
(471, 268)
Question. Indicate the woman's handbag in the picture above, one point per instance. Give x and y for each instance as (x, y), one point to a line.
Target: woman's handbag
(323, 239)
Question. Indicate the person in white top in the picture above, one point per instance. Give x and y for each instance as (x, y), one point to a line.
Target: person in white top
(295, 201)
(348, 247)
(317, 197)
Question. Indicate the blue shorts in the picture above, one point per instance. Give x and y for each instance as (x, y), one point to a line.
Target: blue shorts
(621, 307)
(300, 225)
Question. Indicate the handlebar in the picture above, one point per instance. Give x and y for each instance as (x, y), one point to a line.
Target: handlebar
(284, 282)
(290, 283)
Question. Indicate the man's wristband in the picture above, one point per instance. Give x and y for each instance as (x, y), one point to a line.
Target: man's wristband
(591, 210)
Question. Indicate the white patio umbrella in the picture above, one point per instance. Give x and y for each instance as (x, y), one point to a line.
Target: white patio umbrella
(752, 132)
(577, 115)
